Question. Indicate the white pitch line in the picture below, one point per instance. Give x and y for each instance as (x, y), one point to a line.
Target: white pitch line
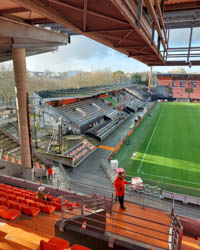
(149, 142)
(172, 179)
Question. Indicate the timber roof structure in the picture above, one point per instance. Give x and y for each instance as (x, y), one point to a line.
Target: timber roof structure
(137, 28)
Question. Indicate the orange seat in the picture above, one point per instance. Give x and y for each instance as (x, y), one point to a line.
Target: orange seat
(19, 161)
(54, 244)
(21, 200)
(12, 197)
(56, 205)
(12, 159)
(3, 207)
(37, 165)
(9, 214)
(3, 201)
(79, 247)
(2, 194)
(32, 211)
(14, 205)
(34, 204)
(47, 209)
(5, 157)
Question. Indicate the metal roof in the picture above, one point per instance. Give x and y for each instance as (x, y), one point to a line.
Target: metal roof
(83, 92)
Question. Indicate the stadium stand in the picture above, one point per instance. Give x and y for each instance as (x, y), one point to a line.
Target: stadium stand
(80, 152)
(179, 83)
(11, 152)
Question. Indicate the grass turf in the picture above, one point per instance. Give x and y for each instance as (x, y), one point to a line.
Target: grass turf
(167, 146)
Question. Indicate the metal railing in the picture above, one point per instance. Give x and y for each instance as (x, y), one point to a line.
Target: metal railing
(177, 232)
(113, 222)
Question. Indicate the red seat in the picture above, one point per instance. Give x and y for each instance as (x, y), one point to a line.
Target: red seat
(3, 207)
(14, 205)
(3, 201)
(2, 194)
(32, 211)
(21, 200)
(56, 205)
(54, 244)
(12, 197)
(9, 214)
(47, 209)
(79, 247)
(37, 199)
(34, 204)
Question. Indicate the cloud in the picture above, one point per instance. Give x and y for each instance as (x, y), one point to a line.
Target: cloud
(74, 55)
(180, 37)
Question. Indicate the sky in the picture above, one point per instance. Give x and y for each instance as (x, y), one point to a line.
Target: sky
(87, 55)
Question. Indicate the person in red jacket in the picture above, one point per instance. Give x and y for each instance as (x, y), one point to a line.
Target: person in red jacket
(119, 189)
(50, 172)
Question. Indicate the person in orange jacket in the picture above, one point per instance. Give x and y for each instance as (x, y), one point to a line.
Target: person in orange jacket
(119, 189)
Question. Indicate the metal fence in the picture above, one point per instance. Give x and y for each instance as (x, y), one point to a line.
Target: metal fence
(118, 224)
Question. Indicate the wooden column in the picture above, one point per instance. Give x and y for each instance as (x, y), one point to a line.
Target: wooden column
(150, 79)
(19, 64)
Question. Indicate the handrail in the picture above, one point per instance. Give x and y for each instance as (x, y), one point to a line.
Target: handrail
(82, 211)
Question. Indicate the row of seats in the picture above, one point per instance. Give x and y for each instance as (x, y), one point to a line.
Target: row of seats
(27, 202)
(9, 213)
(103, 132)
(60, 244)
(80, 151)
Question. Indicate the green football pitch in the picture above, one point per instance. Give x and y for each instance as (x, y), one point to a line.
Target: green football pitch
(167, 146)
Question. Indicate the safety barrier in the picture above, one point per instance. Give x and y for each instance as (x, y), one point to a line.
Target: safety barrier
(90, 215)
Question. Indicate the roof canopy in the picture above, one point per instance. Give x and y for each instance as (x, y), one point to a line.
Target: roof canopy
(134, 27)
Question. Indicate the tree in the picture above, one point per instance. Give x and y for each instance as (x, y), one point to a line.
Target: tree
(178, 71)
(136, 77)
(119, 76)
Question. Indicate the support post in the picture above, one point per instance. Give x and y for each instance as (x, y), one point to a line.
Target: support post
(19, 64)
(150, 79)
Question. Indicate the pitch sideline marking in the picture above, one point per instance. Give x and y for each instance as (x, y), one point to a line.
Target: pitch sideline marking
(149, 142)
(173, 179)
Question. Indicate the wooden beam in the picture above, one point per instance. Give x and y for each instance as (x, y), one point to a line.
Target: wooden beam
(85, 15)
(152, 12)
(131, 17)
(108, 30)
(161, 19)
(123, 38)
(95, 13)
(182, 6)
(13, 10)
(15, 29)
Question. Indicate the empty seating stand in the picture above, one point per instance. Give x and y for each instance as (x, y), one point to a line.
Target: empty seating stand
(107, 128)
(80, 152)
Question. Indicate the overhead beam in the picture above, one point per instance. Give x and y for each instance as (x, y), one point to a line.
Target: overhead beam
(108, 30)
(161, 19)
(85, 15)
(15, 29)
(182, 25)
(152, 12)
(95, 13)
(13, 10)
(132, 16)
(8, 56)
(123, 37)
(182, 63)
(52, 14)
(182, 6)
